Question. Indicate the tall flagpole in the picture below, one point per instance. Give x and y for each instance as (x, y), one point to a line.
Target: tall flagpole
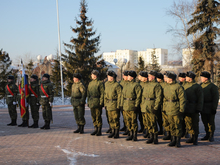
(61, 72)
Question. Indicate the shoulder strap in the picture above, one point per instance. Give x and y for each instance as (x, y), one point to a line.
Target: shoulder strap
(10, 90)
(33, 91)
(42, 88)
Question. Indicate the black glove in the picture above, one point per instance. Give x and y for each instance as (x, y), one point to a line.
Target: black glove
(213, 112)
(135, 108)
(154, 112)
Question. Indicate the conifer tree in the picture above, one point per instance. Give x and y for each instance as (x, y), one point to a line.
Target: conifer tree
(205, 20)
(81, 51)
(141, 65)
(154, 65)
(29, 68)
(5, 71)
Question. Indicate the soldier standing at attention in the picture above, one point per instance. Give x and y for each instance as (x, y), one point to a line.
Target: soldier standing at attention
(11, 91)
(211, 99)
(95, 94)
(182, 78)
(123, 83)
(150, 104)
(112, 100)
(194, 105)
(46, 100)
(174, 105)
(78, 97)
(130, 100)
(34, 100)
(25, 118)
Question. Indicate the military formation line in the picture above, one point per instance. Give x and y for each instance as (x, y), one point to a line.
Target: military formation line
(162, 104)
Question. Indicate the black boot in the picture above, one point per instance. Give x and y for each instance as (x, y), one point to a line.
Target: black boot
(109, 130)
(99, 132)
(13, 122)
(151, 139)
(112, 134)
(131, 136)
(195, 140)
(24, 123)
(173, 141)
(146, 135)
(123, 128)
(95, 131)
(211, 137)
(116, 133)
(78, 129)
(34, 125)
(191, 139)
(126, 132)
(178, 142)
(81, 131)
(155, 138)
(47, 126)
(168, 136)
(44, 125)
(206, 137)
(135, 136)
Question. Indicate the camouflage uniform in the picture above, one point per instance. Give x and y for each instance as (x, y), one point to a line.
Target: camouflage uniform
(46, 102)
(34, 101)
(112, 103)
(11, 100)
(174, 105)
(194, 105)
(130, 100)
(211, 99)
(95, 95)
(78, 97)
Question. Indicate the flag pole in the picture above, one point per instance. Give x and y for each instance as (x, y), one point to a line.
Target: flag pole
(61, 72)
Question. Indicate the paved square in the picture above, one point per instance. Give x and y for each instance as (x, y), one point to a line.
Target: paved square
(20, 146)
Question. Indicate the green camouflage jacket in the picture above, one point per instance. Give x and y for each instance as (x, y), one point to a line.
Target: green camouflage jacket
(9, 98)
(95, 94)
(48, 87)
(78, 95)
(112, 96)
(35, 87)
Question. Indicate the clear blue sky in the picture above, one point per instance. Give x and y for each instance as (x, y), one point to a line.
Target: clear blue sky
(30, 26)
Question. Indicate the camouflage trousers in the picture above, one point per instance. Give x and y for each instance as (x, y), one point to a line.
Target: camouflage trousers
(35, 112)
(79, 113)
(12, 112)
(96, 114)
(192, 123)
(145, 120)
(209, 122)
(47, 112)
(152, 123)
(175, 125)
(166, 124)
(113, 117)
(131, 120)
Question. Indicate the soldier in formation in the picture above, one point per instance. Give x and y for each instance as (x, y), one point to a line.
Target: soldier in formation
(78, 97)
(11, 91)
(95, 95)
(46, 100)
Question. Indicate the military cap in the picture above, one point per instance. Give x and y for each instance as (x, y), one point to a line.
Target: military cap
(132, 73)
(205, 74)
(153, 73)
(165, 73)
(95, 72)
(160, 76)
(143, 74)
(11, 77)
(112, 73)
(46, 75)
(183, 75)
(125, 73)
(191, 74)
(77, 75)
(34, 76)
(171, 75)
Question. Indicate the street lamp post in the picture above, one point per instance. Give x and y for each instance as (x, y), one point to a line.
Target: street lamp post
(122, 62)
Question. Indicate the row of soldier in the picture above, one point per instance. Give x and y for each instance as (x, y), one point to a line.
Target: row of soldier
(157, 99)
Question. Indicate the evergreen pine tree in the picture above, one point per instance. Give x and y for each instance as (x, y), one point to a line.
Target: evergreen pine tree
(205, 20)
(141, 65)
(80, 56)
(154, 65)
(29, 68)
(5, 71)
